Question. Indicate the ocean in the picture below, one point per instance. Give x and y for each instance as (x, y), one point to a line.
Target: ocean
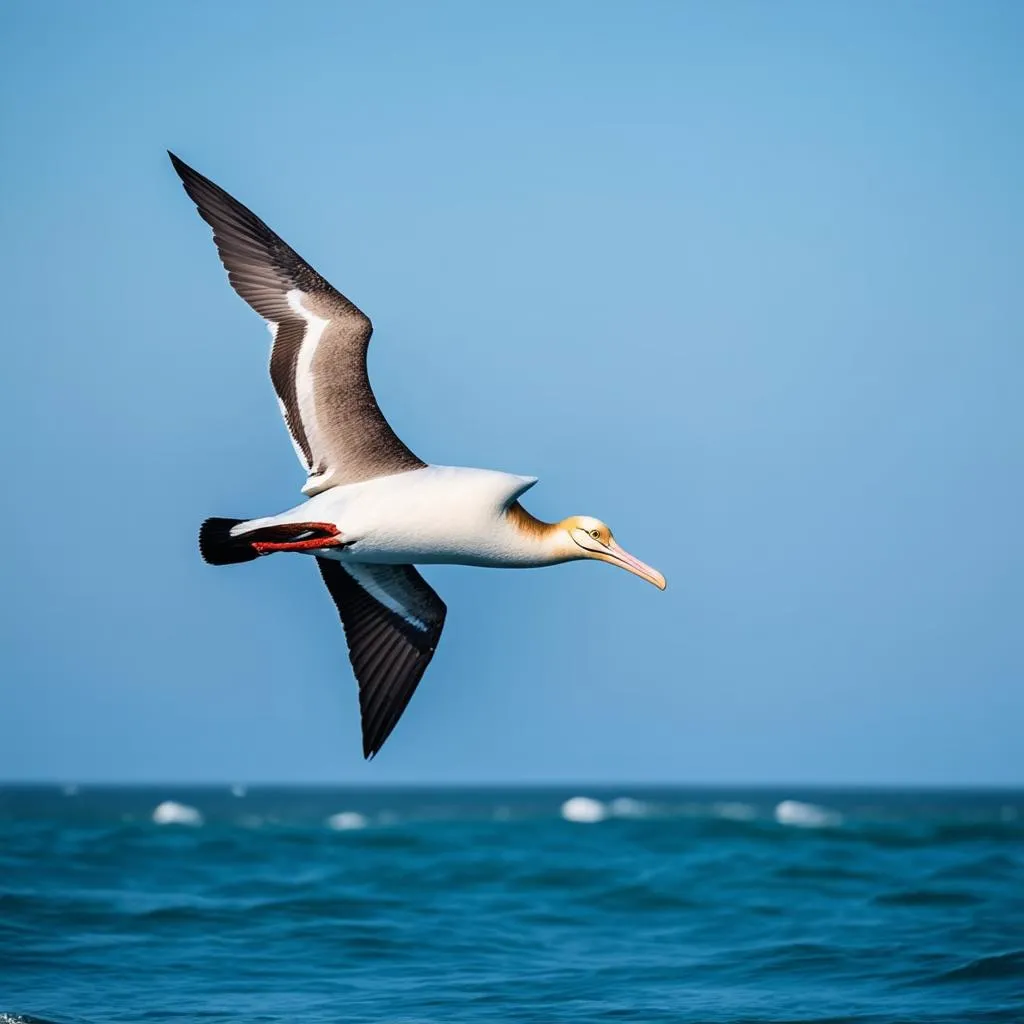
(547, 905)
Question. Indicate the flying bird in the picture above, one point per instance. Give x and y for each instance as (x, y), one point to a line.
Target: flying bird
(373, 509)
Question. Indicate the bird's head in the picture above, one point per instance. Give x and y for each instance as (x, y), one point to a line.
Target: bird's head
(586, 537)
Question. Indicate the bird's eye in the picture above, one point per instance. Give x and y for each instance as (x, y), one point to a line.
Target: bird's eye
(596, 534)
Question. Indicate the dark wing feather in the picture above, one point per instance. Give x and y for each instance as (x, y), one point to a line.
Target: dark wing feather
(340, 434)
(261, 266)
(389, 649)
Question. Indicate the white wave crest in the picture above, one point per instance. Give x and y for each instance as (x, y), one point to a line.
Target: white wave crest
(345, 821)
(172, 813)
(801, 815)
(238, 790)
(584, 810)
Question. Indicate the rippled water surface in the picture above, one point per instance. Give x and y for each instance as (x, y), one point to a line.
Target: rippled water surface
(527, 905)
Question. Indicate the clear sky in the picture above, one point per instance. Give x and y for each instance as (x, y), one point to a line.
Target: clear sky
(742, 279)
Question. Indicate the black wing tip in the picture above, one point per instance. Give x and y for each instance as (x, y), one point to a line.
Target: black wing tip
(197, 186)
(372, 745)
(201, 190)
(184, 171)
(376, 731)
(375, 740)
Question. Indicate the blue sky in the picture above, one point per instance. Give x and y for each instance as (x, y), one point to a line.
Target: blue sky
(741, 279)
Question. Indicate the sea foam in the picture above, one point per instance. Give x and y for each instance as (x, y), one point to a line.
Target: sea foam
(584, 810)
(801, 815)
(344, 821)
(172, 813)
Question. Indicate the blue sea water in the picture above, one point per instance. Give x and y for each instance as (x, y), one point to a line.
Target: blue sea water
(510, 905)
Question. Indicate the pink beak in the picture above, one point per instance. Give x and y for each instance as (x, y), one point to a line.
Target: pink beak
(619, 556)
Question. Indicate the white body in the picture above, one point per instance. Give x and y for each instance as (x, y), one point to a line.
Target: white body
(436, 514)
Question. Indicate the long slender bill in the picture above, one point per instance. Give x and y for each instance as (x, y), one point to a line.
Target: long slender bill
(619, 556)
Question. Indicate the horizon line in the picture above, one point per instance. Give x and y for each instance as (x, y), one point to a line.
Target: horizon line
(476, 785)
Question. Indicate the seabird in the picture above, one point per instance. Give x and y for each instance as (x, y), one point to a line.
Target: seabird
(373, 509)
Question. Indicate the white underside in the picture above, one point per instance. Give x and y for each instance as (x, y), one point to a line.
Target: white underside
(438, 514)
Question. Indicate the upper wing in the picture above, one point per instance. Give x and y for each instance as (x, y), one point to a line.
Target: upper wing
(318, 359)
(393, 621)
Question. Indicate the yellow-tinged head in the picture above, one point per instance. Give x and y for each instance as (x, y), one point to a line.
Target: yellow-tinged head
(586, 537)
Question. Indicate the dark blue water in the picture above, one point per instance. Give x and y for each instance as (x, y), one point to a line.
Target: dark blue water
(429, 906)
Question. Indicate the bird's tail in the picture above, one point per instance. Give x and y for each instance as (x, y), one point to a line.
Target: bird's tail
(218, 547)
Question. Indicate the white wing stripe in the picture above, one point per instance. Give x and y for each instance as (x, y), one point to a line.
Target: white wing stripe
(367, 581)
(291, 437)
(272, 327)
(304, 391)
